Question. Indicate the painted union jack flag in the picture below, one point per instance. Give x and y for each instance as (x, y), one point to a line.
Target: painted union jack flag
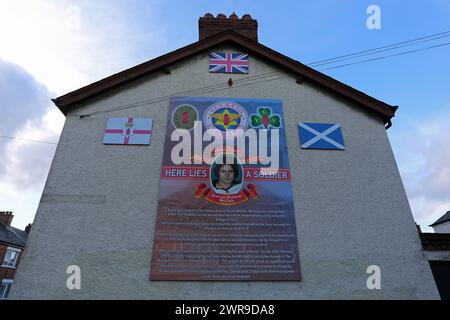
(227, 62)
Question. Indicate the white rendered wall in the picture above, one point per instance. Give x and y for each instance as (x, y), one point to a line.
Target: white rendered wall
(442, 228)
(99, 204)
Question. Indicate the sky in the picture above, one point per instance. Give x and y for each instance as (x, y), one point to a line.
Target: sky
(51, 47)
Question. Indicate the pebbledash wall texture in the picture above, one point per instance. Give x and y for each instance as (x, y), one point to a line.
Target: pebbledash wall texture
(98, 207)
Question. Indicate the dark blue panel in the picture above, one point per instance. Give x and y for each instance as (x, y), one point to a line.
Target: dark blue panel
(333, 140)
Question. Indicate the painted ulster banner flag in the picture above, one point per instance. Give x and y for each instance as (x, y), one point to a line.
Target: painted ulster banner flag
(128, 131)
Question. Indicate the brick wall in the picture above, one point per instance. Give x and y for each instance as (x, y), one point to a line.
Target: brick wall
(7, 273)
(209, 25)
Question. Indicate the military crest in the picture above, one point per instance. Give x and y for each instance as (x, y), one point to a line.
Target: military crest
(184, 117)
(226, 116)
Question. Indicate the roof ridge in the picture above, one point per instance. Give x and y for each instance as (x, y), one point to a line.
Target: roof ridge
(12, 235)
(65, 102)
(444, 218)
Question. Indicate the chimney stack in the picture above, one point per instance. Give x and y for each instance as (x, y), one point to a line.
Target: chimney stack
(208, 25)
(28, 228)
(6, 217)
(418, 228)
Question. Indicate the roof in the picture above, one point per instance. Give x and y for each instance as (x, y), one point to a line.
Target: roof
(435, 241)
(445, 218)
(67, 101)
(12, 236)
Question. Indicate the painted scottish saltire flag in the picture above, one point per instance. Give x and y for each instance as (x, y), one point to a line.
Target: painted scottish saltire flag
(321, 136)
(228, 62)
(128, 131)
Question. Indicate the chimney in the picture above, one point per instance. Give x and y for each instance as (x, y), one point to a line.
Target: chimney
(6, 217)
(208, 25)
(418, 228)
(28, 228)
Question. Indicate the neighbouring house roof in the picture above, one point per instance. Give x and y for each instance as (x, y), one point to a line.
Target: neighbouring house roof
(12, 236)
(445, 218)
(67, 101)
(435, 241)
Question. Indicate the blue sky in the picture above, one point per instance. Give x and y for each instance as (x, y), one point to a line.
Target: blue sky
(45, 53)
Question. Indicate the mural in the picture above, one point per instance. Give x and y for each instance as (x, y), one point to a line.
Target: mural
(225, 209)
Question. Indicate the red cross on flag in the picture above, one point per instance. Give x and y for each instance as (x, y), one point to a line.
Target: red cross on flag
(128, 131)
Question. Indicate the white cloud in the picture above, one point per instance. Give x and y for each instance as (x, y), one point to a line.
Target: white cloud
(423, 156)
(24, 107)
(27, 163)
(25, 114)
(55, 47)
(68, 44)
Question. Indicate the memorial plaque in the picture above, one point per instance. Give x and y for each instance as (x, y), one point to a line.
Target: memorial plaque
(225, 209)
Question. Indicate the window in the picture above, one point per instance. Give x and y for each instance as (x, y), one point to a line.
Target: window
(4, 288)
(11, 257)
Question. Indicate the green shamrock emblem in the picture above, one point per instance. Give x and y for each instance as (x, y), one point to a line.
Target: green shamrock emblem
(265, 119)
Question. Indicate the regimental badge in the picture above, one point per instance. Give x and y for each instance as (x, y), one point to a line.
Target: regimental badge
(184, 117)
(226, 116)
(265, 119)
